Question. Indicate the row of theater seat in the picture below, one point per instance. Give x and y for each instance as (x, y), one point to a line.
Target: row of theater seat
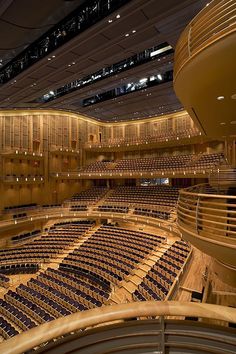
(148, 139)
(25, 236)
(177, 163)
(47, 246)
(136, 195)
(88, 196)
(159, 279)
(4, 281)
(113, 208)
(152, 213)
(19, 207)
(113, 252)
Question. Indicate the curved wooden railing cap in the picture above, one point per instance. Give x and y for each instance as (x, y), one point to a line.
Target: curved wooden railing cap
(61, 326)
(213, 22)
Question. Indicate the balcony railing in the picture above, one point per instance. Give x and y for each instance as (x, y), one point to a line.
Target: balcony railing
(206, 216)
(165, 137)
(215, 21)
(185, 334)
(205, 209)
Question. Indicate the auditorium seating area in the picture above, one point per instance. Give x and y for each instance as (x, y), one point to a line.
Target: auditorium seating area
(165, 215)
(147, 139)
(6, 329)
(87, 197)
(23, 207)
(42, 249)
(158, 281)
(84, 279)
(173, 163)
(113, 208)
(140, 195)
(101, 166)
(25, 236)
(113, 253)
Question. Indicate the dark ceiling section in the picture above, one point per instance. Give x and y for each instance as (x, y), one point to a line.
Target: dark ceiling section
(105, 43)
(23, 21)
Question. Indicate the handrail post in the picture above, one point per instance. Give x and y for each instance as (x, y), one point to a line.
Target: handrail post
(162, 342)
(197, 214)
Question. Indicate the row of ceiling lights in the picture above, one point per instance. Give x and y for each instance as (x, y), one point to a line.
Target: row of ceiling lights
(111, 20)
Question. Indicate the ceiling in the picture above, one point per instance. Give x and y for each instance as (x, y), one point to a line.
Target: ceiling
(155, 22)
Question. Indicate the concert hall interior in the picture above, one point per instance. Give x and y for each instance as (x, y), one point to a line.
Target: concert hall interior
(118, 176)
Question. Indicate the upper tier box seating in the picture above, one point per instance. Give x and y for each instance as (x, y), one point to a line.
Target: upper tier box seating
(87, 197)
(147, 139)
(177, 163)
(22, 207)
(98, 165)
(154, 195)
(159, 279)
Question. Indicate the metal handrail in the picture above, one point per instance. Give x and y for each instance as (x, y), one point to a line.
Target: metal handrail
(207, 214)
(104, 315)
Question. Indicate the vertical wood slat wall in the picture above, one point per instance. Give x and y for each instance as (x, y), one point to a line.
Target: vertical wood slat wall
(55, 135)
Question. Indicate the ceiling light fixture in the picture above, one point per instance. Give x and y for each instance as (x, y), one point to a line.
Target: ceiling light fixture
(220, 98)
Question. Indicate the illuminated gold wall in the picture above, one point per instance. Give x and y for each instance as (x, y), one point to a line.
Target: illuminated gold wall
(35, 144)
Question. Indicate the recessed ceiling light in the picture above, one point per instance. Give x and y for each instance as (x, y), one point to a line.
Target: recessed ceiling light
(222, 123)
(118, 16)
(110, 21)
(233, 122)
(220, 98)
(134, 31)
(233, 96)
(127, 35)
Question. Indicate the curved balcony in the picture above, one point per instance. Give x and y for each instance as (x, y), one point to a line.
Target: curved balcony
(204, 72)
(138, 335)
(206, 216)
(38, 217)
(166, 138)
